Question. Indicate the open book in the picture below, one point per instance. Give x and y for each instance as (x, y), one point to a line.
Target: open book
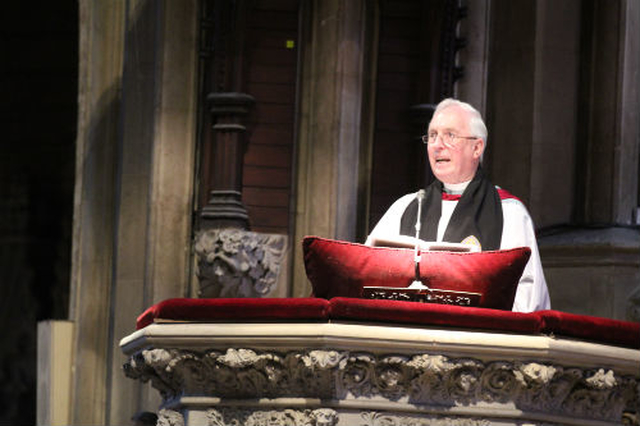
(418, 291)
(406, 241)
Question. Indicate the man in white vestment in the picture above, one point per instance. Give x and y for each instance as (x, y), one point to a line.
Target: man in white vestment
(462, 206)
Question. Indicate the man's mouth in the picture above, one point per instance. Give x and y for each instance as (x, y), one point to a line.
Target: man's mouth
(441, 160)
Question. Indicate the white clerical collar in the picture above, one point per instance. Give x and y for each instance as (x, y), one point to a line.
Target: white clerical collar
(456, 188)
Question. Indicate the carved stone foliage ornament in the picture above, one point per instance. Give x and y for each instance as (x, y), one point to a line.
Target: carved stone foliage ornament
(231, 416)
(170, 418)
(387, 419)
(422, 379)
(286, 417)
(238, 263)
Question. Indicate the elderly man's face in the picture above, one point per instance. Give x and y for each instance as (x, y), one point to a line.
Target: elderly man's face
(456, 162)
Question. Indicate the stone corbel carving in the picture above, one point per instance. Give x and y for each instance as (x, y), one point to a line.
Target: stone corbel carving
(421, 379)
(237, 263)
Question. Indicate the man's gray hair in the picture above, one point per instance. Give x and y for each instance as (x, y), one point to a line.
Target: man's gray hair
(476, 123)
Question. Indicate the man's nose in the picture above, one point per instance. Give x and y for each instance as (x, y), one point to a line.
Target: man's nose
(438, 142)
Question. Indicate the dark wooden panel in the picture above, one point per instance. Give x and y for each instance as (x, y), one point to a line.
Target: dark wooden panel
(268, 156)
(272, 134)
(266, 177)
(272, 93)
(269, 229)
(276, 5)
(269, 216)
(398, 46)
(274, 19)
(401, 26)
(390, 140)
(270, 77)
(393, 80)
(397, 99)
(271, 74)
(394, 120)
(268, 197)
(274, 56)
(397, 63)
(273, 114)
(272, 39)
(397, 156)
(400, 8)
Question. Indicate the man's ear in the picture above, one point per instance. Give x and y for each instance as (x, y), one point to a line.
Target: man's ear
(478, 148)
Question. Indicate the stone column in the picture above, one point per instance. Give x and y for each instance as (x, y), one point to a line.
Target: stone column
(101, 54)
(225, 208)
(594, 269)
(563, 105)
(232, 261)
(474, 29)
(531, 108)
(334, 117)
(134, 177)
(609, 120)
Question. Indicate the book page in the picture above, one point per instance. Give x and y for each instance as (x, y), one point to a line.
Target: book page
(405, 241)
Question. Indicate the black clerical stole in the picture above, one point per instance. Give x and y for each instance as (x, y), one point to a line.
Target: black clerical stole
(478, 214)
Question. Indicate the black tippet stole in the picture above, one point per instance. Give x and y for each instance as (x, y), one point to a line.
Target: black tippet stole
(478, 213)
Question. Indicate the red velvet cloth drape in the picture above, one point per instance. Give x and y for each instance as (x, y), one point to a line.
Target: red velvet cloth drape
(341, 309)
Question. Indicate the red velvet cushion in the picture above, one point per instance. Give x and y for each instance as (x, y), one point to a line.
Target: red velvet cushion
(244, 309)
(340, 268)
(583, 327)
(432, 314)
(604, 330)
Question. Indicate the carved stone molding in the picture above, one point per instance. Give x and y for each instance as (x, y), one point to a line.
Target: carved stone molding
(231, 416)
(330, 417)
(238, 263)
(170, 418)
(421, 379)
(286, 417)
(389, 419)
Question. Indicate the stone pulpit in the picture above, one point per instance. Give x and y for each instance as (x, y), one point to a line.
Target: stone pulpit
(350, 361)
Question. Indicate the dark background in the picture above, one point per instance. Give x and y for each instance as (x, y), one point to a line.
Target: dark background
(39, 64)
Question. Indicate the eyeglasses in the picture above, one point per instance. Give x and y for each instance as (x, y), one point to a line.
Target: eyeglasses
(448, 138)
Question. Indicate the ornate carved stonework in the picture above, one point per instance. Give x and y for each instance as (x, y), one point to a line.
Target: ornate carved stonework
(421, 379)
(387, 419)
(237, 263)
(170, 418)
(286, 417)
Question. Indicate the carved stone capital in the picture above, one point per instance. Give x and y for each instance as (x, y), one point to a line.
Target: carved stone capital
(238, 263)
(420, 379)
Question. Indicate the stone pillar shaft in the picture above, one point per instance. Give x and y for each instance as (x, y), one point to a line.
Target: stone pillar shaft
(333, 141)
(225, 208)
